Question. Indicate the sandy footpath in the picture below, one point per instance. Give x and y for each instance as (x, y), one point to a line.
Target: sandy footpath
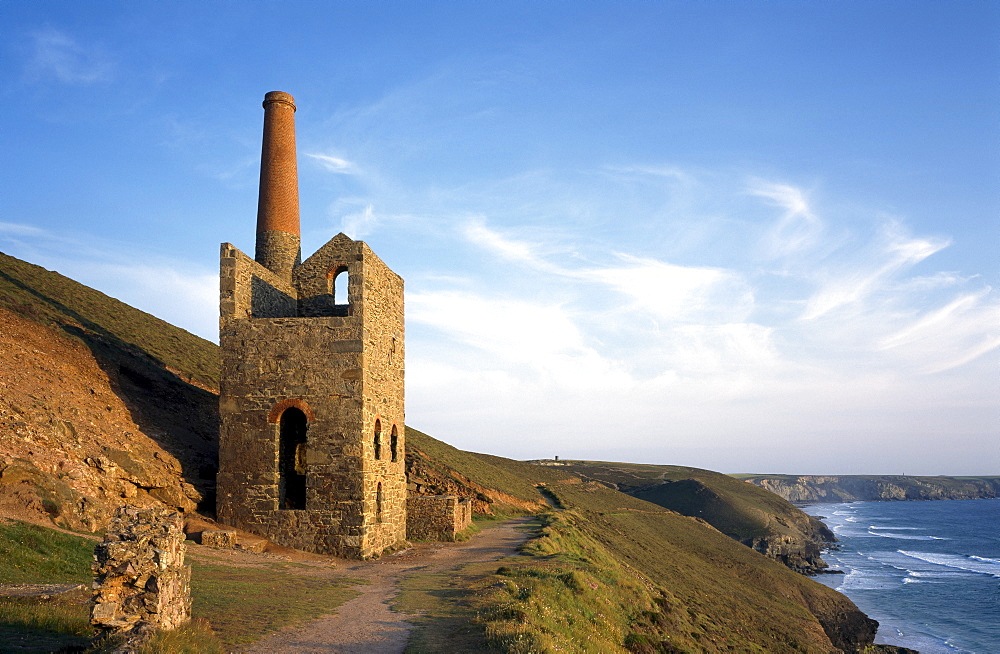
(366, 624)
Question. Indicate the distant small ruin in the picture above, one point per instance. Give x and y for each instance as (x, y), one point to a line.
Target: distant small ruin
(141, 584)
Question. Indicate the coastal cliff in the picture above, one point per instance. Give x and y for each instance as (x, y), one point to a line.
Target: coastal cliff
(853, 488)
(760, 520)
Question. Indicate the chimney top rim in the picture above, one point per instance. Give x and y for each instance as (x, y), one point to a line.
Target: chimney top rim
(278, 96)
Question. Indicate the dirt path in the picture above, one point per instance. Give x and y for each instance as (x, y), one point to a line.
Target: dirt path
(366, 624)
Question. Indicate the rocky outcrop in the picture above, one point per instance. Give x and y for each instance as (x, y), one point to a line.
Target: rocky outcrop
(82, 433)
(852, 488)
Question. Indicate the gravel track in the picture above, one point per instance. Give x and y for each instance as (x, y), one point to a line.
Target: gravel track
(367, 624)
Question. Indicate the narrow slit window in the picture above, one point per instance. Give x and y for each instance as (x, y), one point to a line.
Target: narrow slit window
(377, 442)
(379, 501)
(394, 444)
(292, 459)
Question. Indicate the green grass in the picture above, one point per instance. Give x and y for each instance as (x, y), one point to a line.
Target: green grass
(742, 511)
(611, 573)
(569, 594)
(33, 554)
(195, 637)
(244, 604)
(240, 604)
(710, 593)
(34, 625)
(444, 616)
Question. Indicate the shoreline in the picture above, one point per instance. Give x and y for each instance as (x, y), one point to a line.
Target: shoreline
(910, 569)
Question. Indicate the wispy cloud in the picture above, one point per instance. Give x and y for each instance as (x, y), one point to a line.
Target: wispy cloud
(949, 336)
(359, 223)
(56, 54)
(17, 229)
(334, 164)
(675, 293)
(798, 228)
(477, 233)
(856, 277)
(841, 336)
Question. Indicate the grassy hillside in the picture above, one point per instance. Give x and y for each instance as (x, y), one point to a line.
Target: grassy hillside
(751, 515)
(52, 299)
(616, 574)
(498, 485)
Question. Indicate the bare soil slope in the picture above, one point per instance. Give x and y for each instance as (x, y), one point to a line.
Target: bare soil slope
(100, 404)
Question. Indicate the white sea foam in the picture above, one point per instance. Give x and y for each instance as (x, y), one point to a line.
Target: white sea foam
(904, 536)
(984, 559)
(975, 564)
(859, 579)
(941, 574)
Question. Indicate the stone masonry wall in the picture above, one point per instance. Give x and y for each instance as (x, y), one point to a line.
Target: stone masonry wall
(346, 373)
(437, 517)
(248, 289)
(140, 581)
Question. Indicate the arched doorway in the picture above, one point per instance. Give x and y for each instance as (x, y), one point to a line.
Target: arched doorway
(292, 459)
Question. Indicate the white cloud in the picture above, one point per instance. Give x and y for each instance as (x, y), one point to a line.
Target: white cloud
(637, 351)
(514, 250)
(950, 336)
(856, 277)
(58, 55)
(676, 293)
(17, 229)
(798, 228)
(359, 223)
(334, 164)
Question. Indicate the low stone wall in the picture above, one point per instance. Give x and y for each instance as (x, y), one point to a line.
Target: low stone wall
(140, 581)
(437, 517)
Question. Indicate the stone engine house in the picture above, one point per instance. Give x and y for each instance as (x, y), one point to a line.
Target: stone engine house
(311, 445)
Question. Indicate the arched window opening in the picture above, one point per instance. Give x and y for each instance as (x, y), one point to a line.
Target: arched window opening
(394, 444)
(378, 439)
(379, 501)
(338, 286)
(292, 459)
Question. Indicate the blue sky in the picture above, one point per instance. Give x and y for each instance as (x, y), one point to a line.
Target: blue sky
(741, 236)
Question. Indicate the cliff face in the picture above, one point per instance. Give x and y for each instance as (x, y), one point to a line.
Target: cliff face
(851, 488)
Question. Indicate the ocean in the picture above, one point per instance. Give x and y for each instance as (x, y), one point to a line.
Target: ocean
(928, 571)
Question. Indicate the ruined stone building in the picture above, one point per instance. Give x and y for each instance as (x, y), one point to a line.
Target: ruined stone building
(311, 445)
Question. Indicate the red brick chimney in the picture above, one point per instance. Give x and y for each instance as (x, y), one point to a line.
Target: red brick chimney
(278, 237)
